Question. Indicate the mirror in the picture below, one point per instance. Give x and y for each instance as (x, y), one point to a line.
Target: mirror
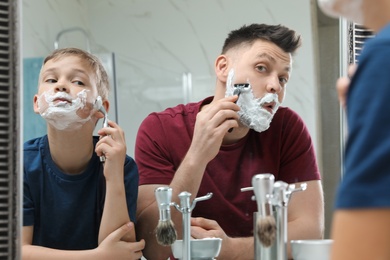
(164, 53)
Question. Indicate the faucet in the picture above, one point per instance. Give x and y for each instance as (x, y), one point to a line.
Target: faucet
(272, 201)
(185, 208)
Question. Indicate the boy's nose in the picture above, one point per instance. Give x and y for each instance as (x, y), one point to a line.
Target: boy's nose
(61, 88)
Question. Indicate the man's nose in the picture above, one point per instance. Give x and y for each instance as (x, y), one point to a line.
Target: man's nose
(273, 84)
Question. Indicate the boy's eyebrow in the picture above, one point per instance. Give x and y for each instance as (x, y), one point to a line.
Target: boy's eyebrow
(272, 59)
(75, 70)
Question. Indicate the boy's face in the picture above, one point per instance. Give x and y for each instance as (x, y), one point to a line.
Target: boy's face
(67, 92)
(267, 69)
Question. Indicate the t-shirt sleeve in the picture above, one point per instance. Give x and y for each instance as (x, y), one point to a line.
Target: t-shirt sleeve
(131, 186)
(152, 152)
(28, 204)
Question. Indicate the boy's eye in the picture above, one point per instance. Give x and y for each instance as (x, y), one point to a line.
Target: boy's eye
(78, 82)
(50, 80)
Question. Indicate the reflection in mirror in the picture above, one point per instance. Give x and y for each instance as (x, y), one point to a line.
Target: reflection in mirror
(164, 53)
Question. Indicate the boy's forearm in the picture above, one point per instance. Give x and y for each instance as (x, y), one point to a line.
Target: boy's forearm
(30, 252)
(115, 212)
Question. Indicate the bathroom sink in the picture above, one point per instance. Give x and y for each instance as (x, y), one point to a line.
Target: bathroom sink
(201, 249)
(318, 249)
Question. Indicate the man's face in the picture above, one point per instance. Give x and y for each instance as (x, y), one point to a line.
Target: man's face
(266, 69)
(66, 94)
(265, 66)
(350, 9)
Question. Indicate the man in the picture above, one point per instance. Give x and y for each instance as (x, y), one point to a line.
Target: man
(217, 145)
(361, 223)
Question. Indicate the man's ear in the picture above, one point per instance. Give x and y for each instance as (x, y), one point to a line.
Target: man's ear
(221, 67)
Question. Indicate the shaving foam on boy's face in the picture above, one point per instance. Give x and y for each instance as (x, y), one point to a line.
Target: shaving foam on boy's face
(252, 112)
(64, 112)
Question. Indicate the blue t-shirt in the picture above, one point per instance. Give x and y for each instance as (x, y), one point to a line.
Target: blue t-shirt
(366, 182)
(64, 209)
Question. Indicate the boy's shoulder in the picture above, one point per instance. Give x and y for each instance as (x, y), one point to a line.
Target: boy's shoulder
(35, 143)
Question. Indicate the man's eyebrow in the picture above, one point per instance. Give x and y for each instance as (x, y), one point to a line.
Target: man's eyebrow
(272, 59)
(267, 56)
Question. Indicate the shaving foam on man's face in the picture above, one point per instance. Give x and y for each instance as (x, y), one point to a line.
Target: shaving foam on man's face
(350, 9)
(255, 113)
(64, 112)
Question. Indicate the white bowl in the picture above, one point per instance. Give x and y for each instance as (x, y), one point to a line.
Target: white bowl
(206, 248)
(318, 249)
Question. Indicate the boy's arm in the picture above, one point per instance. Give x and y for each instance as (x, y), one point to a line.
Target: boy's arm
(115, 212)
(111, 248)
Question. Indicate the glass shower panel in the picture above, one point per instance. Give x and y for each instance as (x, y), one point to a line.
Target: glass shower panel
(151, 89)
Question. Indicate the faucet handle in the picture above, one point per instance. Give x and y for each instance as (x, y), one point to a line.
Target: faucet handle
(205, 197)
(292, 188)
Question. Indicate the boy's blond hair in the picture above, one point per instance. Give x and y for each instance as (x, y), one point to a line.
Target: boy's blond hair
(102, 82)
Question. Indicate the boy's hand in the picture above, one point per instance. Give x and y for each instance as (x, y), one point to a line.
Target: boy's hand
(112, 145)
(112, 247)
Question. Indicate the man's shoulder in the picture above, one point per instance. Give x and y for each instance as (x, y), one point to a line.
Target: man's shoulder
(182, 112)
(181, 109)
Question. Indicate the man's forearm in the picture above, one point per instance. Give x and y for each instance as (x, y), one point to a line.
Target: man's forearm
(241, 248)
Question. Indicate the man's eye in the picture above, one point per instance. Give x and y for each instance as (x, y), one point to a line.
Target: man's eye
(283, 81)
(261, 68)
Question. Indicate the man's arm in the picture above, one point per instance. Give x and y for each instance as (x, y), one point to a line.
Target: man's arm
(211, 126)
(187, 178)
(305, 221)
(361, 234)
(306, 214)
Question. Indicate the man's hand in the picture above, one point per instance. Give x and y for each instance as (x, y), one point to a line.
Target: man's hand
(212, 123)
(206, 228)
(342, 85)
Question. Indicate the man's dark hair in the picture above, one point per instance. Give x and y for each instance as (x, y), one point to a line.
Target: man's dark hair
(287, 39)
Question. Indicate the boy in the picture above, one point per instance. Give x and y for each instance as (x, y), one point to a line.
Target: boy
(74, 205)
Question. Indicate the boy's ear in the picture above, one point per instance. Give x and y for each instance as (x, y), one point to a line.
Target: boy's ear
(35, 104)
(106, 105)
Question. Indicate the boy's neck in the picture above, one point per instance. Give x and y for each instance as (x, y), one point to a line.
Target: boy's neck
(71, 151)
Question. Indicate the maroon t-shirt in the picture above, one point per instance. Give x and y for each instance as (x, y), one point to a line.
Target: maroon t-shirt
(285, 150)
